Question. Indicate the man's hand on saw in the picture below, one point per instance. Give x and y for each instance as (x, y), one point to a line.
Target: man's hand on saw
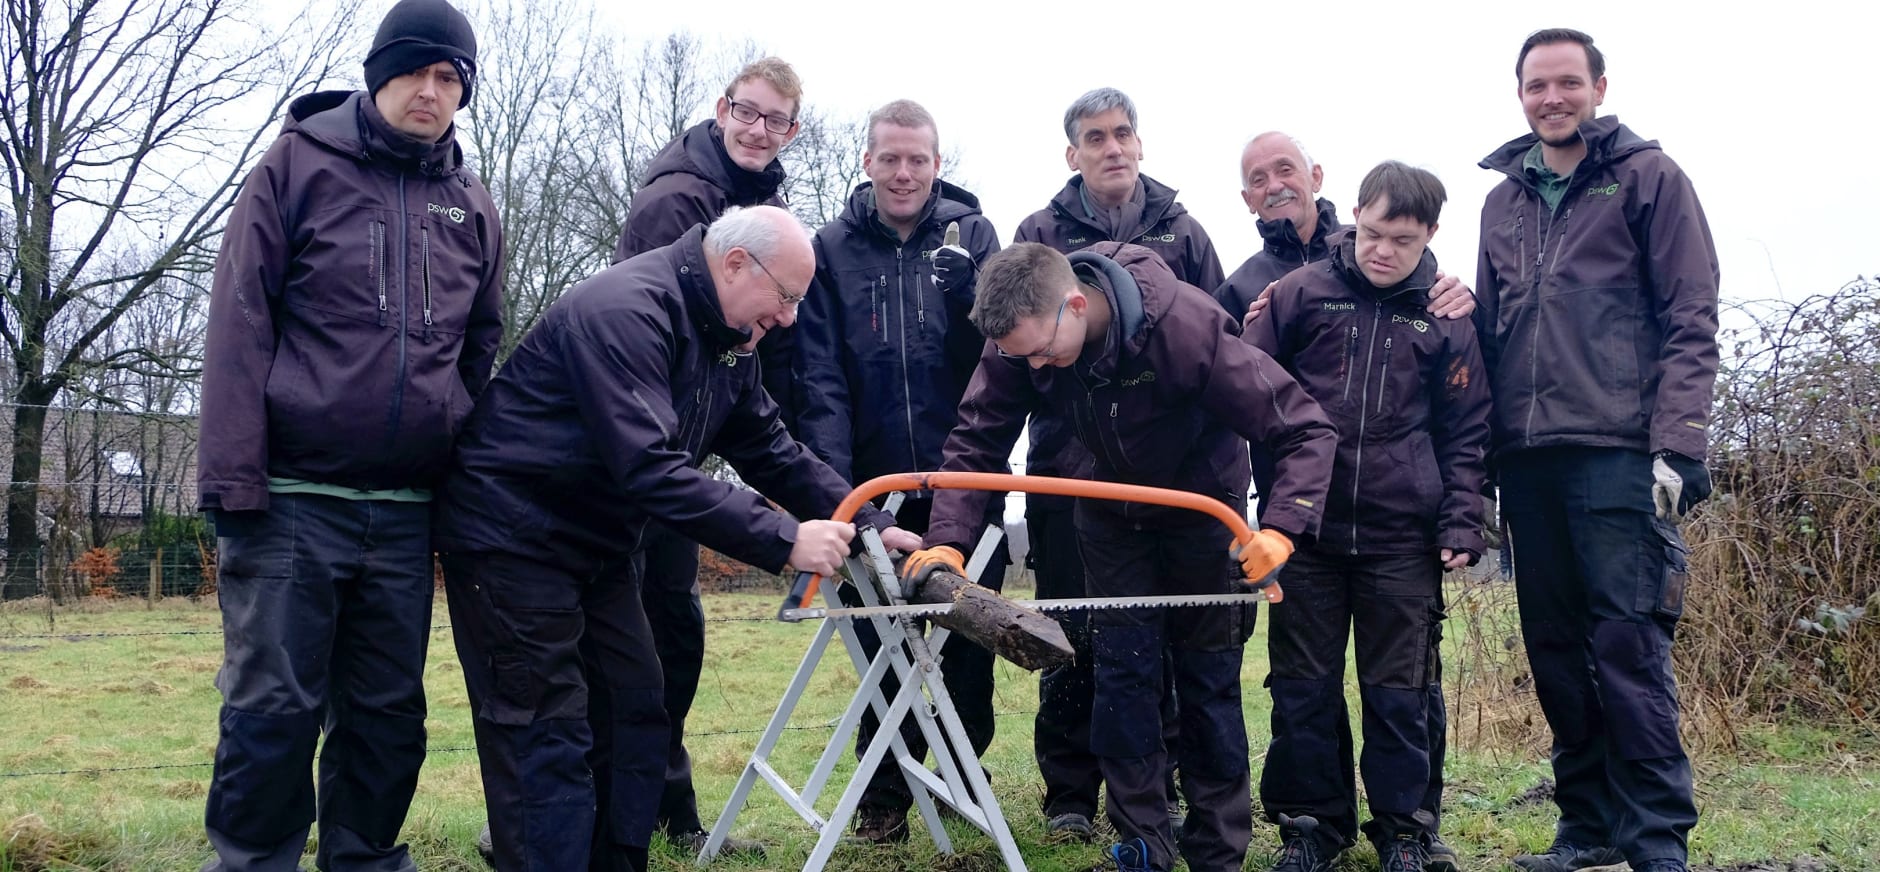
(927, 560)
(1261, 553)
(897, 539)
(820, 546)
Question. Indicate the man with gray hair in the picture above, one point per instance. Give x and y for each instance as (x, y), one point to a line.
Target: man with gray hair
(886, 349)
(1109, 200)
(596, 426)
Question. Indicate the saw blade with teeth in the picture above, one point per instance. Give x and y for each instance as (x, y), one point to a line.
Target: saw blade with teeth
(921, 610)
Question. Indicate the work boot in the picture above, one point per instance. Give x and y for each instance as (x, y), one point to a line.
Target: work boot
(1130, 856)
(485, 847)
(1299, 849)
(1404, 852)
(694, 841)
(1442, 857)
(1562, 857)
(1070, 827)
(880, 826)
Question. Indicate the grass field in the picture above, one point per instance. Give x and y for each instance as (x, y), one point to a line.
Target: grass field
(107, 723)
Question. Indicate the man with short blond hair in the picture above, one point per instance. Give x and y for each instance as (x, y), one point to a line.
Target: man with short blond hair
(886, 348)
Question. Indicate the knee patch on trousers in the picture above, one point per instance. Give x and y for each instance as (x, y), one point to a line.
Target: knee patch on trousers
(1125, 719)
(1636, 690)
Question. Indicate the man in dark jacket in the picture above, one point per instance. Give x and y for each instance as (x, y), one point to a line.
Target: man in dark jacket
(1406, 392)
(1161, 391)
(355, 313)
(1278, 181)
(886, 348)
(729, 160)
(594, 428)
(1108, 200)
(1598, 282)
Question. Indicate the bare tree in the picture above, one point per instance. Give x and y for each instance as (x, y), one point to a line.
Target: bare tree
(536, 133)
(129, 127)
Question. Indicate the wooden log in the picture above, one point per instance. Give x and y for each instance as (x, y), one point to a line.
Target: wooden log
(1028, 638)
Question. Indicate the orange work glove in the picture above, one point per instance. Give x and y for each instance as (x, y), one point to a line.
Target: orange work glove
(928, 559)
(1261, 553)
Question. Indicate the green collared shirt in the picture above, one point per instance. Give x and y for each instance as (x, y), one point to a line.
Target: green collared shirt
(1551, 185)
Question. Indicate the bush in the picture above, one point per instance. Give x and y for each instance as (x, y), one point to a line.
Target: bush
(1781, 615)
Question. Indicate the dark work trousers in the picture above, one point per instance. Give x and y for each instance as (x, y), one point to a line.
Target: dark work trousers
(567, 704)
(1061, 729)
(1438, 719)
(326, 616)
(1388, 603)
(965, 665)
(1128, 647)
(1601, 586)
(668, 569)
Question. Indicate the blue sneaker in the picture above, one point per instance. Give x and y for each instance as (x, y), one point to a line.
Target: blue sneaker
(1130, 856)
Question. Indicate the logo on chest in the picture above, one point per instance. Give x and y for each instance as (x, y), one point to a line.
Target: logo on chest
(454, 213)
(1145, 377)
(1418, 324)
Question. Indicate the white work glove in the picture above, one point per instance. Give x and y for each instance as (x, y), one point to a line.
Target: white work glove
(1667, 488)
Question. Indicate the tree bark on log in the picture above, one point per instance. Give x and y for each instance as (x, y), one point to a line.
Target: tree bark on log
(1031, 639)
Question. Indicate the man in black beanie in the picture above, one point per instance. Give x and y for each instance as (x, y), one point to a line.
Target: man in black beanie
(354, 317)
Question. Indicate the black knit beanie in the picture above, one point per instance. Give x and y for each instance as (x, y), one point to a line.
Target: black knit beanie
(419, 33)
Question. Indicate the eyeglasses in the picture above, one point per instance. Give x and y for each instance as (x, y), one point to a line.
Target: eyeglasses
(748, 114)
(1044, 353)
(789, 300)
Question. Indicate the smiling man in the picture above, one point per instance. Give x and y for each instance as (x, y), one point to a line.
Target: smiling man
(886, 348)
(1598, 289)
(355, 312)
(595, 428)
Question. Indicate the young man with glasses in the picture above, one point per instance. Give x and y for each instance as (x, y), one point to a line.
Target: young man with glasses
(886, 349)
(595, 428)
(1159, 389)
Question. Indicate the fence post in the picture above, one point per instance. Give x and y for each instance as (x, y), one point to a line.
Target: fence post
(156, 578)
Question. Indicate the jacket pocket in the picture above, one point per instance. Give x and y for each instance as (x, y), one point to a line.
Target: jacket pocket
(1663, 594)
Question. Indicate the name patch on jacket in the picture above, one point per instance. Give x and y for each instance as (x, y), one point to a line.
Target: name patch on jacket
(1341, 307)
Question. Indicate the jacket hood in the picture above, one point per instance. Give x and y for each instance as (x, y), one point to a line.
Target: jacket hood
(1282, 238)
(701, 294)
(700, 151)
(948, 202)
(1126, 268)
(1606, 141)
(349, 123)
(1158, 204)
(1415, 287)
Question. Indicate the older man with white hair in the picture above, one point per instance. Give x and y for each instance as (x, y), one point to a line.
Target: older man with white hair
(596, 425)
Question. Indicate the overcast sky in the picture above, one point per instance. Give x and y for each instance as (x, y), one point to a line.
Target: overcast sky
(1768, 109)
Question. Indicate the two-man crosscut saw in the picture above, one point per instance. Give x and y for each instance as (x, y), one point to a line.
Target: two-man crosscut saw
(796, 604)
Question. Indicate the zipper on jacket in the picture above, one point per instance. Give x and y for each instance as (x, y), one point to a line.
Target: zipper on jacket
(1351, 360)
(404, 305)
(424, 267)
(874, 307)
(907, 389)
(1534, 348)
(376, 230)
(1357, 461)
(1383, 376)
